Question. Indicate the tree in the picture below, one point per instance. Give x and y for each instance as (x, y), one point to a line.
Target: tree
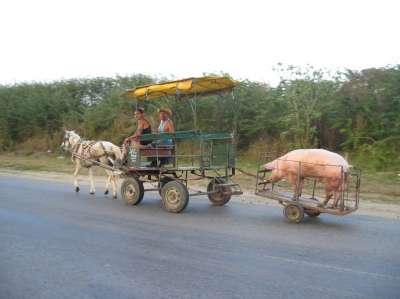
(306, 92)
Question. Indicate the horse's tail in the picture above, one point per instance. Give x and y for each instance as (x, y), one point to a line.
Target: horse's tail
(117, 155)
(117, 152)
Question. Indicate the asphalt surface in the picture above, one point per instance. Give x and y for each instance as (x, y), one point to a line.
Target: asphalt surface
(58, 244)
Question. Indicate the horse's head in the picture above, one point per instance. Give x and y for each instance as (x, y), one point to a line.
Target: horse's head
(69, 140)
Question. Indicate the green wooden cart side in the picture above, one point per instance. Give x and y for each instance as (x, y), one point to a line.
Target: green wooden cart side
(194, 149)
(187, 135)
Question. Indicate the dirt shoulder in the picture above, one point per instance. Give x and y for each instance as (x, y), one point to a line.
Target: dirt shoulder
(391, 211)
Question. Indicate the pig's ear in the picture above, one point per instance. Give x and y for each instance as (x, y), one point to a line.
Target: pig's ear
(269, 166)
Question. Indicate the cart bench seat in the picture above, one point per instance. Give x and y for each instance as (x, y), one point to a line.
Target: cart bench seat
(157, 152)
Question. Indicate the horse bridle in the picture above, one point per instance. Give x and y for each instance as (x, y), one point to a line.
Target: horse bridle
(66, 140)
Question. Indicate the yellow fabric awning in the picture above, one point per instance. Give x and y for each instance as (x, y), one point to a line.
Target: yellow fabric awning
(181, 88)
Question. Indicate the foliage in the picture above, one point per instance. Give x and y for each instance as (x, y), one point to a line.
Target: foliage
(356, 112)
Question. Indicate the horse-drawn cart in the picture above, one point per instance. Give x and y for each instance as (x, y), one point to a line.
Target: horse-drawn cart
(187, 156)
(308, 196)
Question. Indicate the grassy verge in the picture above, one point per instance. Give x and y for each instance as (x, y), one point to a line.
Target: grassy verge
(36, 162)
(40, 162)
(375, 186)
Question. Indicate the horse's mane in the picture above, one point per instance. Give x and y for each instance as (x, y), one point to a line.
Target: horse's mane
(73, 133)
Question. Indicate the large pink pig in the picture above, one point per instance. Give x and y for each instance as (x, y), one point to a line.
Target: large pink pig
(320, 164)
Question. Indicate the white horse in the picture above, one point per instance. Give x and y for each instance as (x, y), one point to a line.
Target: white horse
(84, 152)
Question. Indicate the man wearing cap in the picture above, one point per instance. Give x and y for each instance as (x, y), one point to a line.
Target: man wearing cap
(166, 124)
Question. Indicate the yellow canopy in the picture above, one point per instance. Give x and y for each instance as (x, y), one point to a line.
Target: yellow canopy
(184, 87)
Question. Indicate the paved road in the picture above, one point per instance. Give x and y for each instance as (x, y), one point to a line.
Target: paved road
(58, 244)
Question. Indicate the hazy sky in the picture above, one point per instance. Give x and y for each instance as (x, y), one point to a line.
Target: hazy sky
(49, 40)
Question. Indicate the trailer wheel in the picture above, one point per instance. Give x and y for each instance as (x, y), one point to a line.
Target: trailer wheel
(312, 213)
(132, 191)
(175, 196)
(223, 193)
(293, 213)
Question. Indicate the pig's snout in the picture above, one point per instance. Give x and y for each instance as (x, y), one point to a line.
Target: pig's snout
(268, 181)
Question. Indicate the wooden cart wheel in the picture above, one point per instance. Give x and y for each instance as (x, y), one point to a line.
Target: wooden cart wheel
(312, 213)
(293, 213)
(163, 181)
(132, 191)
(175, 196)
(223, 193)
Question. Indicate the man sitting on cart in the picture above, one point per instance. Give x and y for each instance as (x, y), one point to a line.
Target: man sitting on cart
(166, 124)
(143, 127)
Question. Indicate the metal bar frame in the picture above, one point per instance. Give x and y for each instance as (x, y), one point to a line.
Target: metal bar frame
(343, 208)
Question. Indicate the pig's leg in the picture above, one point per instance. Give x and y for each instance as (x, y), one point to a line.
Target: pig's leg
(338, 195)
(301, 186)
(328, 194)
(292, 178)
(343, 187)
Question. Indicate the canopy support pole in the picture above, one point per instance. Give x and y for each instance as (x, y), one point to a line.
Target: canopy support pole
(194, 110)
(235, 115)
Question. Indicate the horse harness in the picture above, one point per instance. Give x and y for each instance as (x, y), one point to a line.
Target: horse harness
(83, 151)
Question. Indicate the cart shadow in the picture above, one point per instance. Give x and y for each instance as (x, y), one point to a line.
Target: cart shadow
(195, 206)
(248, 214)
(316, 223)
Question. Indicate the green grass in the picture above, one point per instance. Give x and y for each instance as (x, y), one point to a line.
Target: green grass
(383, 186)
(41, 162)
(36, 162)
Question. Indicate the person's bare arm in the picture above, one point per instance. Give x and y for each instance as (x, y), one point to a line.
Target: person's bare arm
(170, 127)
(139, 129)
(138, 132)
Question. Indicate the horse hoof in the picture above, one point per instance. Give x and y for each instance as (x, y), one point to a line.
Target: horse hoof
(106, 192)
(77, 189)
(114, 197)
(91, 193)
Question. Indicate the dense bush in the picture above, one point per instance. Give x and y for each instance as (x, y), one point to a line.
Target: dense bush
(356, 112)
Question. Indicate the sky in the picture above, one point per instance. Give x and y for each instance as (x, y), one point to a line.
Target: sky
(51, 40)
